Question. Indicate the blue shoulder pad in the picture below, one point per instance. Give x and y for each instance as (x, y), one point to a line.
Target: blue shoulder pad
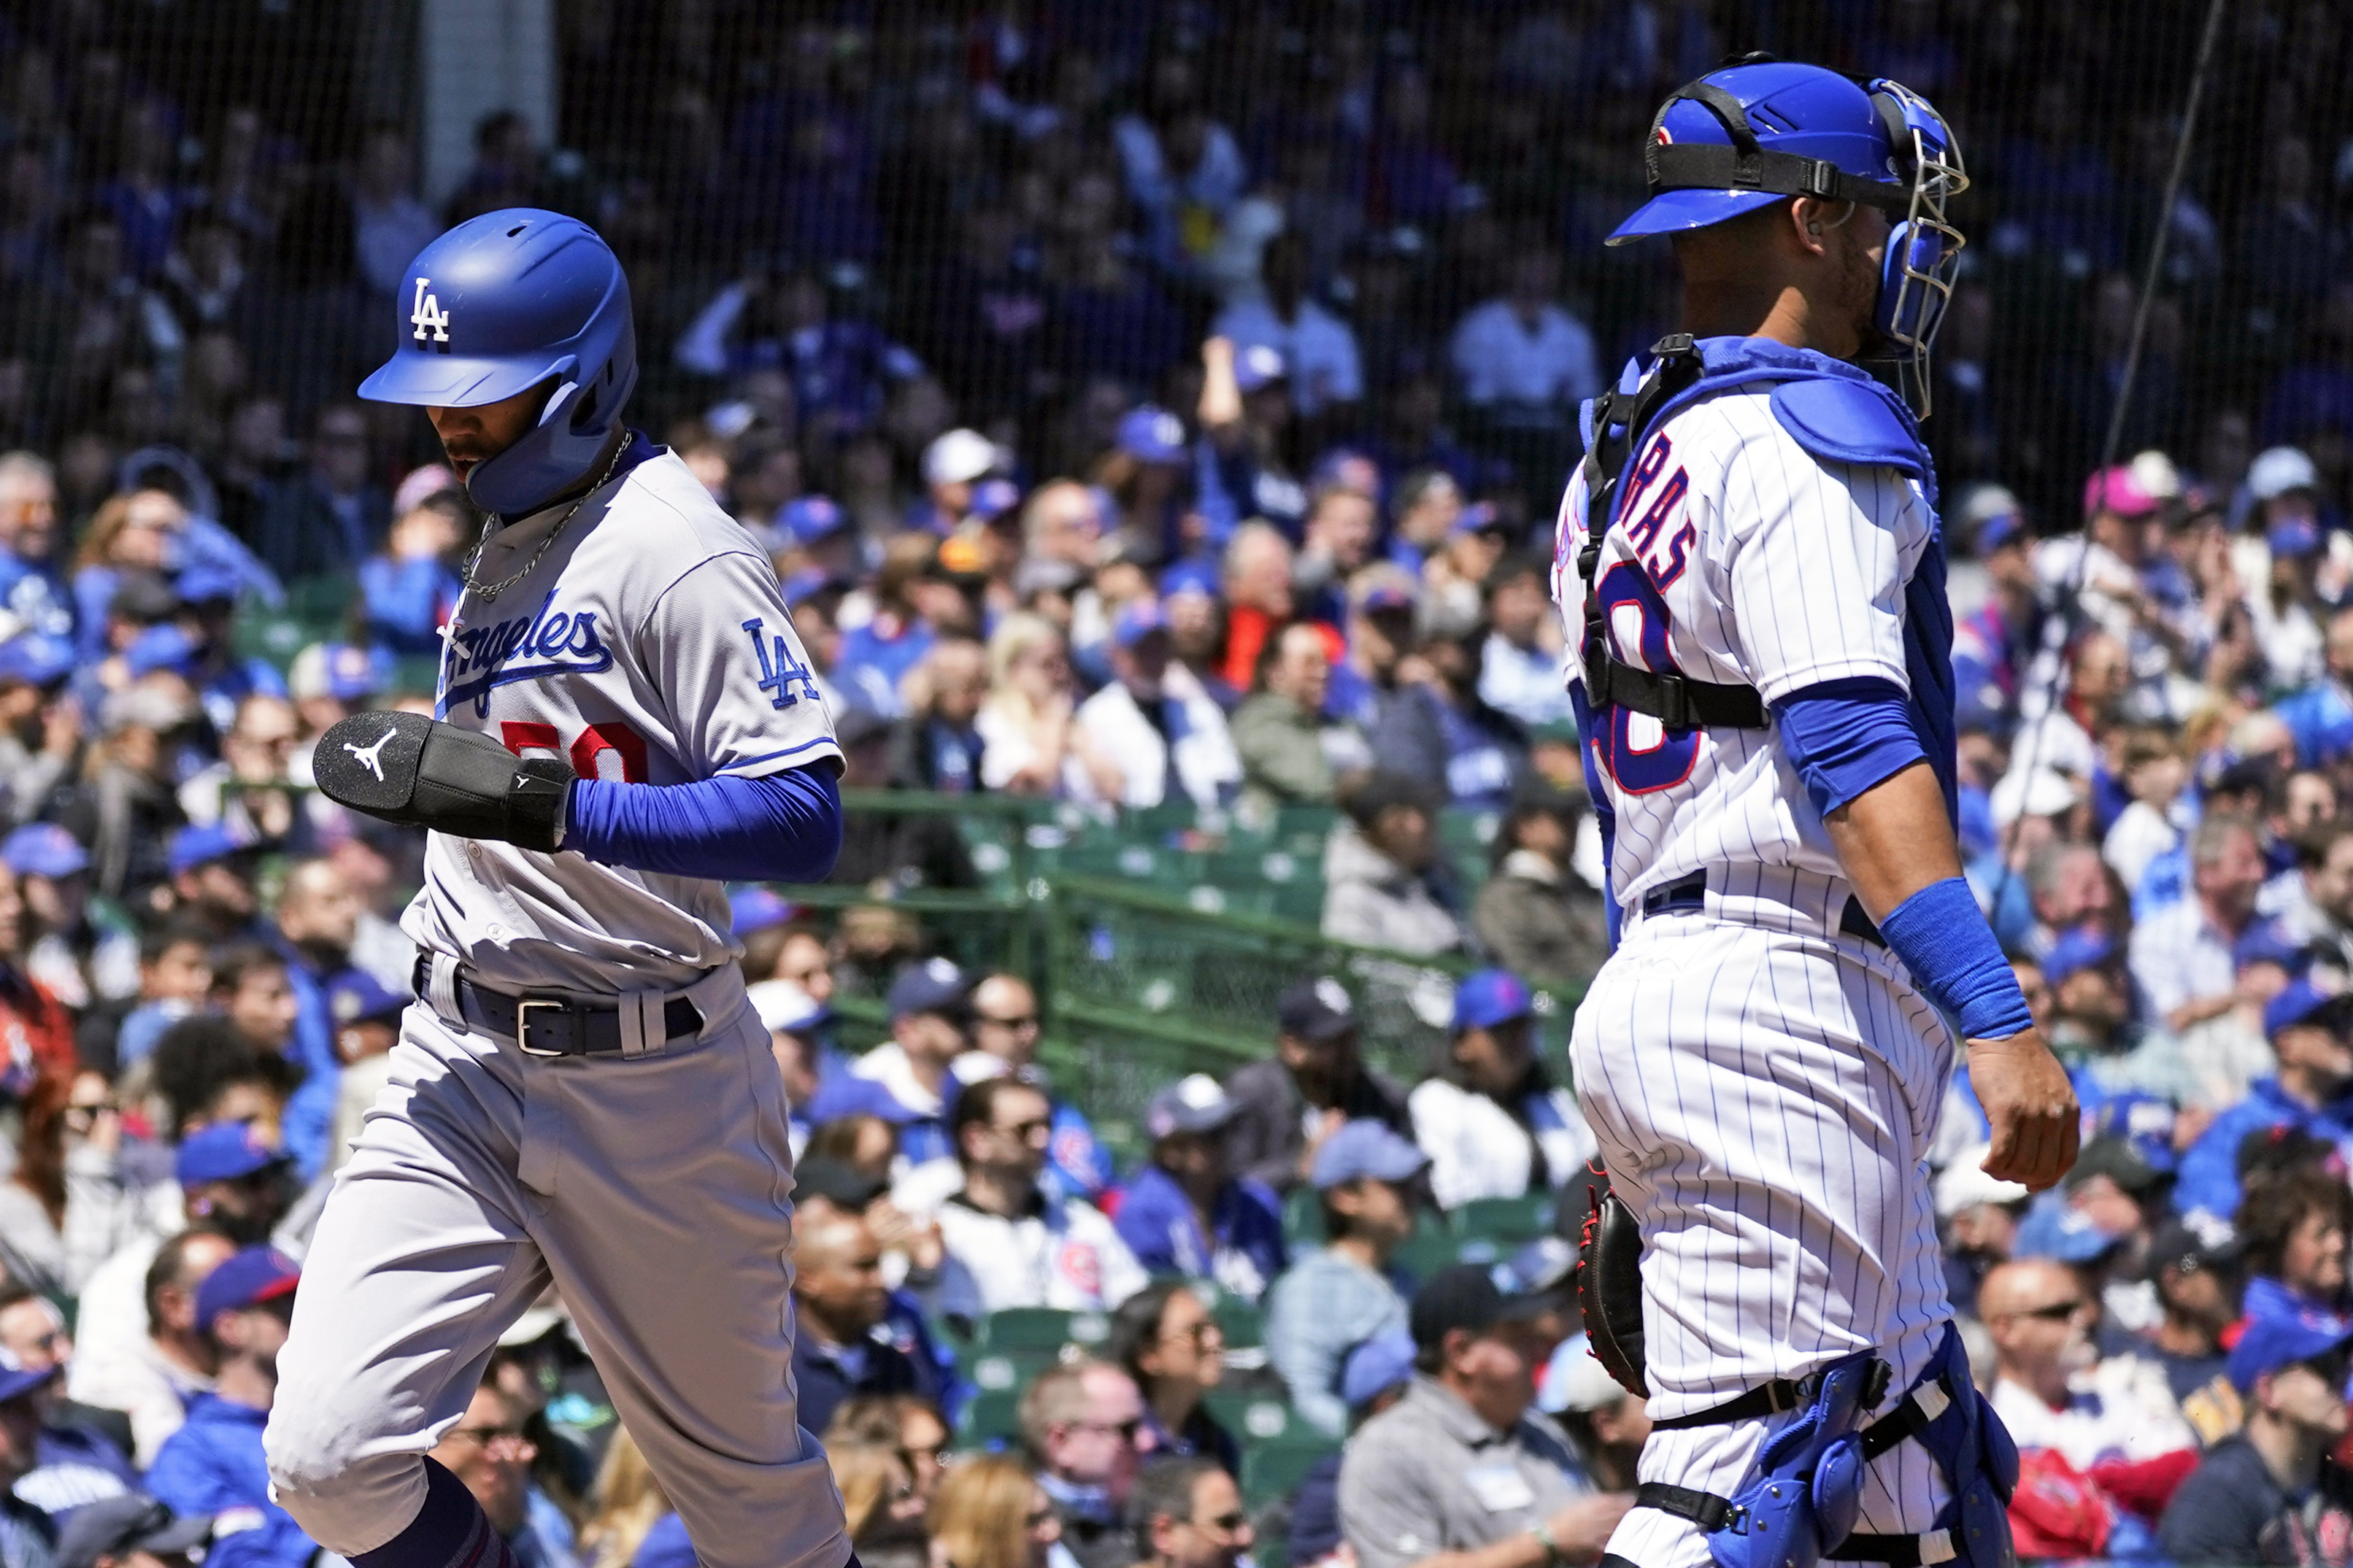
(1844, 421)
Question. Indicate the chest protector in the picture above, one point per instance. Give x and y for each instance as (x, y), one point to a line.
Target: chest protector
(1832, 409)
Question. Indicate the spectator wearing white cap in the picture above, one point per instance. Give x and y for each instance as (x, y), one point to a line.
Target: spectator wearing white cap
(954, 465)
(1152, 723)
(1978, 1216)
(1185, 1213)
(1607, 1424)
(2286, 599)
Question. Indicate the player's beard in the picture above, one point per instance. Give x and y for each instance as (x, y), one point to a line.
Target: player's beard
(1859, 286)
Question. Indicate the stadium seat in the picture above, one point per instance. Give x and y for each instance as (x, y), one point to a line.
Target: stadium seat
(1432, 1249)
(1244, 1323)
(1045, 1328)
(1271, 1470)
(1507, 1222)
(1302, 1219)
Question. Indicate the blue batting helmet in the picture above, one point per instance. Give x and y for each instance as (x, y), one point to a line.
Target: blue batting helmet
(1765, 131)
(498, 305)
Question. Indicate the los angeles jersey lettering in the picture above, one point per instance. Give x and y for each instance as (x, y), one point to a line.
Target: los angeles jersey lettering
(650, 644)
(1736, 557)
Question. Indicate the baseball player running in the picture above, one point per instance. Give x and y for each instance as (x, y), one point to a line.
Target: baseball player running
(1750, 564)
(581, 1092)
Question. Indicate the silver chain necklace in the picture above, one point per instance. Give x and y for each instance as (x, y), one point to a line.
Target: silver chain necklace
(488, 592)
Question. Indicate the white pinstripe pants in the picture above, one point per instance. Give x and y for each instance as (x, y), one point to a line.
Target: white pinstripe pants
(1764, 1100)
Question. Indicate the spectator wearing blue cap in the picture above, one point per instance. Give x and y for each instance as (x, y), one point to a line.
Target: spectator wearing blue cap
(1290, 750)
(40, 725)
(214, 1464)
(213, 874)
(26, 1533)
(1994, 641)
(1153, 725)
(84, 1450)
(1491, 1120)
(759, 919)
(931, 1006)
(84, 960)
(410, 586)
(821, 537)
(2263, 1495)
(2050, 1387)
(1343, 1293)
(223, 678)
(2307, 1023)
(2091, 1025)
(230, 1178)
(365, 1015)
(1185, 1213)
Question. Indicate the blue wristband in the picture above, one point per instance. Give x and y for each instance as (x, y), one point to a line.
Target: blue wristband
(1954, 958)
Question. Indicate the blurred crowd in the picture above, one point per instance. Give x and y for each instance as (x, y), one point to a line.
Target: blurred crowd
(1155, 406)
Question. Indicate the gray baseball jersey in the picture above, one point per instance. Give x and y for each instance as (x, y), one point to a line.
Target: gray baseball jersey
(651, 644)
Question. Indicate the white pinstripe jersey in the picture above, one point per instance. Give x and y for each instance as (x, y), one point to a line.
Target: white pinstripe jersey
(1739, 558)
(651, 645)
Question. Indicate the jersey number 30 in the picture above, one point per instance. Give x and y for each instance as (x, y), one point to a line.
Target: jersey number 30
(1642, 756)
(589, 748)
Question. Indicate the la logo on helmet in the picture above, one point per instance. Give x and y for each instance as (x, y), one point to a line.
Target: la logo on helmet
(427, 314)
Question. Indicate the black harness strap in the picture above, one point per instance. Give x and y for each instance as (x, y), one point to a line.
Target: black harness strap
(1706, 1510)
(1674, 700)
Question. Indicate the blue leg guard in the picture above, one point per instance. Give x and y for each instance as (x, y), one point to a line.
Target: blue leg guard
(1979, 1463)
(1808, 1493)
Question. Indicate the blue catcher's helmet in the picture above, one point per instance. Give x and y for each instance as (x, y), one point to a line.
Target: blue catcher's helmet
(498, 305)
(1764, 131)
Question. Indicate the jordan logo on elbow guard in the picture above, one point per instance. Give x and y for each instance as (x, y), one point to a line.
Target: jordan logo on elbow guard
(371, 755)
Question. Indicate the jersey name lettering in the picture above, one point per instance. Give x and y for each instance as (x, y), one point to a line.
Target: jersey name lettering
(556, 644)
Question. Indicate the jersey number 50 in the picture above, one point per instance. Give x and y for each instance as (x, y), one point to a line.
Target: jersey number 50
(1642, 756)
(589, 748)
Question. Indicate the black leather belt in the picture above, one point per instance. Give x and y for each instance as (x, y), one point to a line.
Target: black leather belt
(555, 1026)
(1688, 896)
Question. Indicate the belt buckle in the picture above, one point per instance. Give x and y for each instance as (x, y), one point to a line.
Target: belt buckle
(561, 1005)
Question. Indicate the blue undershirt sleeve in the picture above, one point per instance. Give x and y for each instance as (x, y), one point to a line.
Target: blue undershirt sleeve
(780, 828)
(1844, 736)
